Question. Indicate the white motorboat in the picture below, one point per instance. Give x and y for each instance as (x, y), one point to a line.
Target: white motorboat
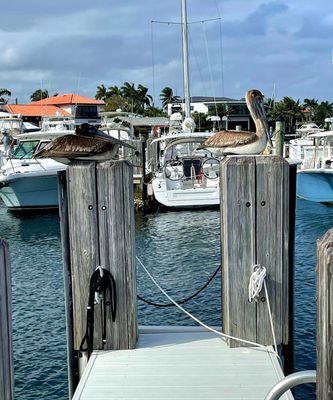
(182, 175)
(25, 182)
(306, 129)
(315, 175)
(186, 177)
(14, 124)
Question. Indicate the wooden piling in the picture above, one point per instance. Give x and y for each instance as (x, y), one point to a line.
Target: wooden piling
(255, 229)
(324, 317)
(98, 208)
(6, 340)
(144, 178)
(72, 355)
(279, 137)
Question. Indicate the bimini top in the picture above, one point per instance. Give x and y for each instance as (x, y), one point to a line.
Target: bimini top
(323, 134)
(184, 135)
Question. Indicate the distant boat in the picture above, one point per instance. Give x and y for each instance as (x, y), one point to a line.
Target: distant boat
(315, 175)
(186, 177)
(27, 183)
(306, 129)
(182, 175)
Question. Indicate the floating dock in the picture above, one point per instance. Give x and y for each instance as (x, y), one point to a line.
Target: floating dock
(180, 363)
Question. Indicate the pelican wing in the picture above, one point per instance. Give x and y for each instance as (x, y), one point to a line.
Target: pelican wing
(230, 139)
(75, 146)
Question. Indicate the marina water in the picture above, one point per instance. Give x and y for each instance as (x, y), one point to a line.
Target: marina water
(180, 249)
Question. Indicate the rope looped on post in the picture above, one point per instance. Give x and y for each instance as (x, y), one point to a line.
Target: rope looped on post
(101, 282)
(256, 281)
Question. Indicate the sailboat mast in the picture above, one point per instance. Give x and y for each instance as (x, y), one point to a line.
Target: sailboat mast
(185, 61)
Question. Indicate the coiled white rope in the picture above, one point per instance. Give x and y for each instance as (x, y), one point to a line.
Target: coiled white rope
(224, 335)
(256, 282)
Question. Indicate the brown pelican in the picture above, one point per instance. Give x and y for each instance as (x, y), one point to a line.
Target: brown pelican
(88, 143)
(243, 142)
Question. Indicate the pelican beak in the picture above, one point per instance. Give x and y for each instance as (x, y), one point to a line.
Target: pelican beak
(264, 122)
(268, 136)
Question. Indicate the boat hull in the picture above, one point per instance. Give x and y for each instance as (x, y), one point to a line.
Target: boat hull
(30, 192)
(178, 198)
(315, 185)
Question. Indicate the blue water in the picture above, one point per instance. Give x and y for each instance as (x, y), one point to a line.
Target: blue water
(181, 249)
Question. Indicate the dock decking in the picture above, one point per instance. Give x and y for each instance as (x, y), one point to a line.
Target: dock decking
(180, 363)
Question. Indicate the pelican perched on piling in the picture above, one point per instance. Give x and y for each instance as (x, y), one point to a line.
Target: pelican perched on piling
(88, 143)
(243, 142)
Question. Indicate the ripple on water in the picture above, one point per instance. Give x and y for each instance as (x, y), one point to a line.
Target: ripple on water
(181, 249)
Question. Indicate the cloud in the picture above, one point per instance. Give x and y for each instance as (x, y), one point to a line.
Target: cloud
(256, 43)
(257, 23)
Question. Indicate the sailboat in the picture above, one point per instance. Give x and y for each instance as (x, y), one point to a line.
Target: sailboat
(185, 176)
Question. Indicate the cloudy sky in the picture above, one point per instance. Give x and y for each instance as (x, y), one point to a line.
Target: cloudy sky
(72, 46)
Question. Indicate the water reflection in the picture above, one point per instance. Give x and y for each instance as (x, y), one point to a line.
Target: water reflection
(181, 250)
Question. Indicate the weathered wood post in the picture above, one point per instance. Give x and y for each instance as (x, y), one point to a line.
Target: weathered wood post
(279, 136)
(6, 341)
(324, 317)
(97, 225)
(144, 178)
(257, 227)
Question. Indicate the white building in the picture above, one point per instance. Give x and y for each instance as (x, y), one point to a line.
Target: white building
(238, 115)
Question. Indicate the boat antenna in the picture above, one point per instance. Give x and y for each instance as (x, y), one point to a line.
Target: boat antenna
(77, 95)
(185, 60)
(152, 58)
(209, 67)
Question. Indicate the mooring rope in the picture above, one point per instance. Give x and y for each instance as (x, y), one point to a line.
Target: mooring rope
(256, 282)
(101, 281)
(224, 335)
(184, 300)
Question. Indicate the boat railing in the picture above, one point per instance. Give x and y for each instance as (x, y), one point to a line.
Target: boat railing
(289, 382)
(191, 172)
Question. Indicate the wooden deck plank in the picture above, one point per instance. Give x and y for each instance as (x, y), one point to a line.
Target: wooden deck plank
(189, 365)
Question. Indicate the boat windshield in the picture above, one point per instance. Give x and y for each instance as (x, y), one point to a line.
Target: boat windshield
(25, 149)
(182, 150)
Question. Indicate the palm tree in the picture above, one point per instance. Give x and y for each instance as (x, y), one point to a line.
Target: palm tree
(39, 94)
(130, 93)
(101, 93)
(4, 92)
(144, 99)
(323, 110)
(152, 111)
(167, 97)
(114, 91)
(290, 110)
(311, 105)
(114, 103)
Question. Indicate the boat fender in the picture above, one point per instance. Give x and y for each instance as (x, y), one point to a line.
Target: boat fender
(199, 176)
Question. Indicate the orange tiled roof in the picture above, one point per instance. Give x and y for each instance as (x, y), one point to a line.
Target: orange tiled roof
(68, 99)
(35, 110)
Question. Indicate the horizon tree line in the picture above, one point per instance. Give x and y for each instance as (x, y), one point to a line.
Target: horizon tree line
(136, 99)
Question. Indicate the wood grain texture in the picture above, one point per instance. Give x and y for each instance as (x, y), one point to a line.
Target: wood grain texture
(271, 209)
(6, 339)
(255, 227)
(64, 231)
(325, 317)
(101, 232)
(83, 239)
(117, 247)
(238, 246)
